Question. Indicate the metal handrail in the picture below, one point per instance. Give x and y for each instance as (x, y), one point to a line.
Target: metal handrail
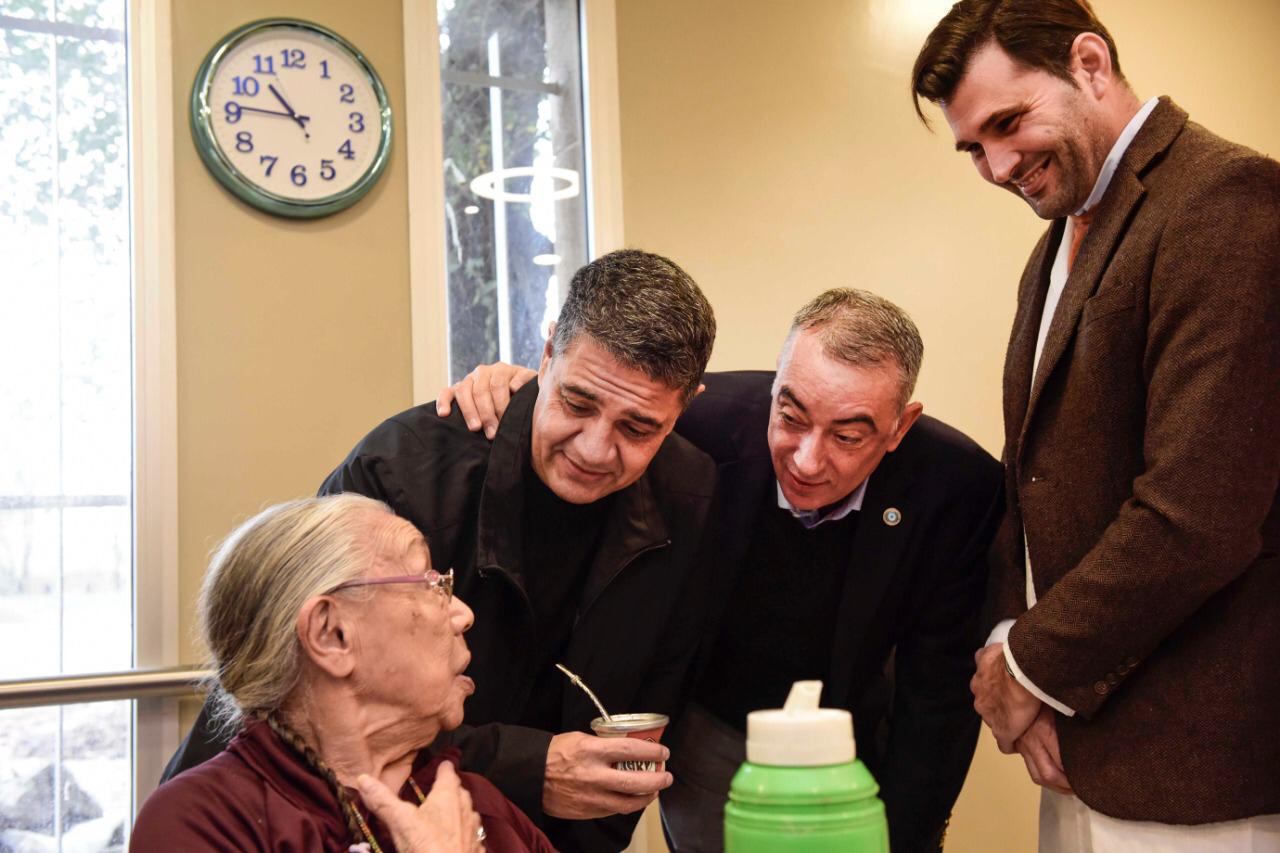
(102, 687)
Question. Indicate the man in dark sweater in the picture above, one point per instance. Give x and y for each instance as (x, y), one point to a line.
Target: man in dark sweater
(850, 536)
(575, 537)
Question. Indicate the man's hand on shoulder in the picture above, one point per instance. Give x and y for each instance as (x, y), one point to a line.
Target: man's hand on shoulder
(483, 394)
(1004, 704)
(582, 783)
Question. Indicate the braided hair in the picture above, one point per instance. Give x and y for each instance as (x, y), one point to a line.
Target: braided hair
(318, 764)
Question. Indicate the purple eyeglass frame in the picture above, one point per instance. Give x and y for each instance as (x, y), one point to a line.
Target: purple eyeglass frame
(435, 581)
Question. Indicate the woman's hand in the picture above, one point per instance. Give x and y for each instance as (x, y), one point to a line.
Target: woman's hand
(444, 823)
(482, 395)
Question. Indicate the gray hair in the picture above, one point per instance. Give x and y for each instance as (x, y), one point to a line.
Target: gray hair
(257, 582)
(862, 329)
(646, 312)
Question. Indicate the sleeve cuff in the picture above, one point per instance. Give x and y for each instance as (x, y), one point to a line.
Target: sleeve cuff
(1000, 633)
(1021, 677)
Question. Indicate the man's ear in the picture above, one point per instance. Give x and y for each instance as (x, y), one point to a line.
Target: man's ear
(910, 414)
(1091, 62)
(548, 350)
(327, 635)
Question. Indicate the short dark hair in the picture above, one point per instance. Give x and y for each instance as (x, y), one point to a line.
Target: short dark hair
(863, 329)
(646, 312)
(1035, 33)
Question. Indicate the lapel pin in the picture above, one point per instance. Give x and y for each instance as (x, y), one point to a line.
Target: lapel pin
(892, 516)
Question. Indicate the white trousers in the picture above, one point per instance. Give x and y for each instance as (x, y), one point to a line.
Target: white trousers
(1069, 826)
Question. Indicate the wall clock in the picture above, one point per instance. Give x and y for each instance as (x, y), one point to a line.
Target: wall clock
(291, 118)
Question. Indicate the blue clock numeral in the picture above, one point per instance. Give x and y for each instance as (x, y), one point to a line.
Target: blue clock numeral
(324, 69)
(357, 122)
(348, 93)
(345, 150)
(244, 142)
(245, 86)
(263, 64)
(233, 112)
(293, 57)
(327, 171)
(299, 175)
(271, 165)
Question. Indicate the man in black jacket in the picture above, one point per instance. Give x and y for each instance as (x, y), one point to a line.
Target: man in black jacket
(851, 536)
(574, 536)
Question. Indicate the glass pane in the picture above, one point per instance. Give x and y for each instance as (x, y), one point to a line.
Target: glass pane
(512, 109)
(64, 777)
(66, 502)
(65, 371)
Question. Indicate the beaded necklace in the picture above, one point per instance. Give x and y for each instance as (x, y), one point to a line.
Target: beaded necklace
(364, 827)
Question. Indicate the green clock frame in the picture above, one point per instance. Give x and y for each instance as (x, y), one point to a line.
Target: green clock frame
(231, 177)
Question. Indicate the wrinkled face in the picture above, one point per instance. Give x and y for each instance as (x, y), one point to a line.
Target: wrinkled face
(597, 423)
(831, 422)
(1028, 131)
(412, 653)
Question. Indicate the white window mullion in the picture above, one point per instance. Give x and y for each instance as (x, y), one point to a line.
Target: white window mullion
(156, 601)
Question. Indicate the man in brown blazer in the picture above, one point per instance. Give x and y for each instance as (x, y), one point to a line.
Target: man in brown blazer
(1136, 661)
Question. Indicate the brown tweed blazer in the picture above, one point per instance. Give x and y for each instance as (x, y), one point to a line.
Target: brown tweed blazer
(1143, 463)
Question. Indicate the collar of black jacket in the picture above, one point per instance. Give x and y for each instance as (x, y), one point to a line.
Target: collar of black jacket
(635, 523)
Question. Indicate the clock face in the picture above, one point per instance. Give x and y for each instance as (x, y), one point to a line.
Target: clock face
(291, 118)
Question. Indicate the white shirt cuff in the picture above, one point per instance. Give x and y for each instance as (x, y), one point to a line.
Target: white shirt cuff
(1000, 634)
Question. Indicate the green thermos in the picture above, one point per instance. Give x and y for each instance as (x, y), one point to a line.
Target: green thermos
(801, 790)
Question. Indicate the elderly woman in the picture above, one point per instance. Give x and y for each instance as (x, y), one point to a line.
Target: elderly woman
(339, 653)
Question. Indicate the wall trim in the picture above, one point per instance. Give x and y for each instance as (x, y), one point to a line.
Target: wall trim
(604, 125)
(156, 600)
(424, 154)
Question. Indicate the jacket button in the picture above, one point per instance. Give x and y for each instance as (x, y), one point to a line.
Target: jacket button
(1101, 688)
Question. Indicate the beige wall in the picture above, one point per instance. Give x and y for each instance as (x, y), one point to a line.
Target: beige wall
(771, 148)
(293, 336)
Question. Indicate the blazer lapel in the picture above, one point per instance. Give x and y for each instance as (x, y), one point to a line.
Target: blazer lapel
(1111, 220)
(1026, 324)
(1109, 223)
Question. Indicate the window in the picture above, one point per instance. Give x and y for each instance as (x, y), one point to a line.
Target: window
(514, 166)
(68, 513)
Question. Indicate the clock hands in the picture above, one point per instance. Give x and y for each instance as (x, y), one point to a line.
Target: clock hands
(294, 116)
(301, 120)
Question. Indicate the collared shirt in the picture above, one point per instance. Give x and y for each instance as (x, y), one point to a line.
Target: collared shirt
(1057, 283)
(811, 518)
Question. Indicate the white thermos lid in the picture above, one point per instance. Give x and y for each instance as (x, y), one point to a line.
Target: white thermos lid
(800, 734)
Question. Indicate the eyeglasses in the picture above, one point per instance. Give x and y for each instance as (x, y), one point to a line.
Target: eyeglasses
(436, 582)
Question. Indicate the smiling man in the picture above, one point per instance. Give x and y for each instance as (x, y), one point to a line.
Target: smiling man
(850, 536)
(1134, 668)
(575, 538)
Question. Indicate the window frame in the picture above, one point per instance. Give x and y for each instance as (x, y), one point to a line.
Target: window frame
(155, 398)
(153, 347)
(428, 286)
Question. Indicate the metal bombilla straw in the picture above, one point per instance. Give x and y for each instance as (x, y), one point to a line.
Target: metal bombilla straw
(585, 689)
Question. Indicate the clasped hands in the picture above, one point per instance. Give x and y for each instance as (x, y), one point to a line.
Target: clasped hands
(1020, 722)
